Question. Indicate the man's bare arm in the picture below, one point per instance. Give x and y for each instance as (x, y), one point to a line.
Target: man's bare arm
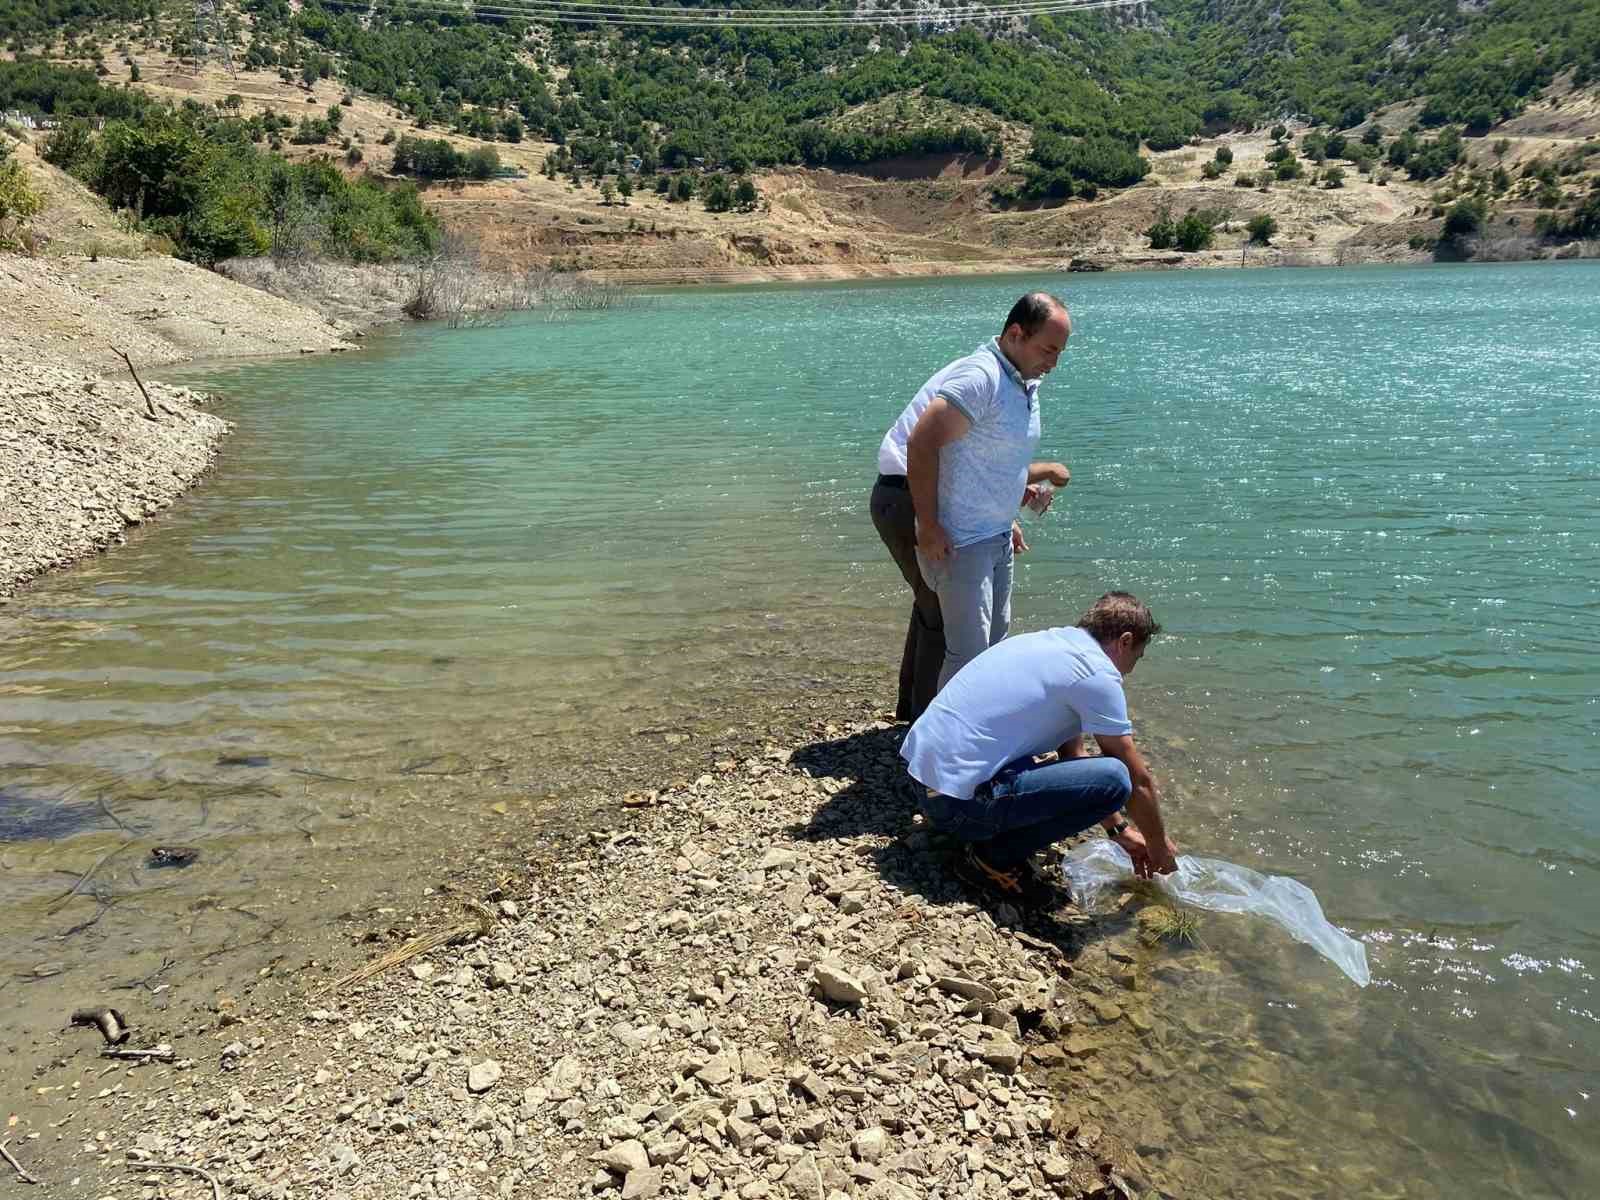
(1056, 473)
(940, 424)
(1144, 806)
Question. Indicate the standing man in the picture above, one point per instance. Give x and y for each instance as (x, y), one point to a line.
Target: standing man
(894, 515)
(1038, 694)
(959, 458)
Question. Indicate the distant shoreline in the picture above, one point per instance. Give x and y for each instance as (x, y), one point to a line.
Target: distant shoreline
(1089, 264)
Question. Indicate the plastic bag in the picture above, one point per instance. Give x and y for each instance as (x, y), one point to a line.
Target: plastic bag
(1097, 867)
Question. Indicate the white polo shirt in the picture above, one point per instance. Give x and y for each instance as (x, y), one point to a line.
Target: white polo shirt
(1026, 695)
(892, 450)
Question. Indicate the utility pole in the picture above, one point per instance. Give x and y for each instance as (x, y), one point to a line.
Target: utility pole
(210, 39)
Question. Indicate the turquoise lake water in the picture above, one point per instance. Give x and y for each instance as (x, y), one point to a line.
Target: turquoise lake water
(1364, 503)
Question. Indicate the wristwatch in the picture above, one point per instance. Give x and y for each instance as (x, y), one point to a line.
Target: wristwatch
(1120, 828)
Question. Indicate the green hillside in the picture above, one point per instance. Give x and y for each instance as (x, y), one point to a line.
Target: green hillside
(1094, 89)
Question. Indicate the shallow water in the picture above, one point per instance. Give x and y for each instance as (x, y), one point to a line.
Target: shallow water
(475, 568)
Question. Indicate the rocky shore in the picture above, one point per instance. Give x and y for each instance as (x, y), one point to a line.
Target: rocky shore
(83, 457)
(758, 983)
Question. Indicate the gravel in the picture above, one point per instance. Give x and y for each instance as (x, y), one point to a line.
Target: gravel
(683, 1009)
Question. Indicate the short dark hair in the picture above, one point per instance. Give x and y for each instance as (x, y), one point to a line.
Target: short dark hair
(1032, 311)
(1117, 613)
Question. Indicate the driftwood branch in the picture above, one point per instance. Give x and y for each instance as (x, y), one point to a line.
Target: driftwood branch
(481, 926)
(85, 877)
(22, 1173)
(216, 1188)
(149, 404)
(161, 1053)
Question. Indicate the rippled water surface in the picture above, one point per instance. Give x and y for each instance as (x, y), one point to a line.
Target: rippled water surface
(1363, 502)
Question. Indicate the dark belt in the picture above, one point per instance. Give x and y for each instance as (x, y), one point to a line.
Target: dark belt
(894, 481)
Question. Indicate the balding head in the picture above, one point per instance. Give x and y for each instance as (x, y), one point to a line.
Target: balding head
(1035, 333)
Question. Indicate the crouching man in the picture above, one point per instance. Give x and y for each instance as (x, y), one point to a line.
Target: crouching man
(1037, 695)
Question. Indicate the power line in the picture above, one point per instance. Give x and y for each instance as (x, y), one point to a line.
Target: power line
(558, 12)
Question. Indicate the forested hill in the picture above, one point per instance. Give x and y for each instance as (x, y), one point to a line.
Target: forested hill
(1090, 86)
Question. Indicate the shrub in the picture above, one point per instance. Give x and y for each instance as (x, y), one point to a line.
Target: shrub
(1224, 156)
(1211, 170)
(1333, 177)
(1288, 169)
(1584, 221)
(717, 194)
(1465, 218)
(71, 145)
(482, 162)
(20, 202)
(1244, 181)
(1194, 232)
(682, 188)
(746, 196)
(1163, 233)
(1262, 228)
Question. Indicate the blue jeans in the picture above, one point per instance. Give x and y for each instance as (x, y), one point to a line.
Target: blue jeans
(1027, 807)
(974, 589)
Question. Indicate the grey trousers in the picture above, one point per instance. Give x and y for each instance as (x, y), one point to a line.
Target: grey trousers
(974, 589)
(924, 653)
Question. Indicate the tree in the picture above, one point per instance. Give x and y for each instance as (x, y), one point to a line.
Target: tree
(624, 187)
(682, 188)
(608, 192)
(1224, 156)
(1262, 228)
(746, 196)
(718, 196)
(1279, 132)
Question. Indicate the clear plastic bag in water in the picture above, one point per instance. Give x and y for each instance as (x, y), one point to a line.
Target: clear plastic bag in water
(1098, 867)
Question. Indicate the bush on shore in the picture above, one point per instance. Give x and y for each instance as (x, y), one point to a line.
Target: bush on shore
(20, 201)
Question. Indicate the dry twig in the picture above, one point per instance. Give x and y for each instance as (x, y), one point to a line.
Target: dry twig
(216, 1188)
(85, 877)
(161, 1053)
(22, 1173)
(148, 403)
(481, 926)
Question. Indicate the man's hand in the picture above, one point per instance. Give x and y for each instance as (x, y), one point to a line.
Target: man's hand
(1163, 858)
(1131, 840)
(1030, 498)
(1019, 544)
(933, 541)
(1058, 474)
